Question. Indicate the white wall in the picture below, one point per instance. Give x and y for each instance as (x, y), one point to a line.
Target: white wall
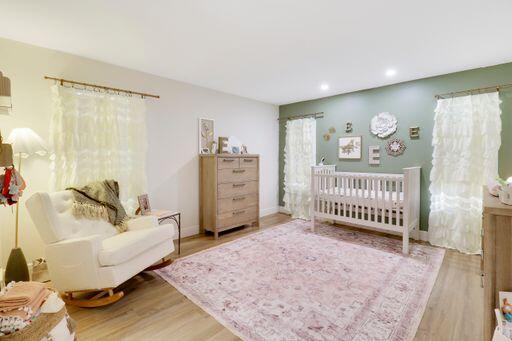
(172, 163)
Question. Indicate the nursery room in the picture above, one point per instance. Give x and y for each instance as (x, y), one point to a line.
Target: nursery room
(255, 170)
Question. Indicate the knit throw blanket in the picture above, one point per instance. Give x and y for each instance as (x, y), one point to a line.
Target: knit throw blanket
(100, 200)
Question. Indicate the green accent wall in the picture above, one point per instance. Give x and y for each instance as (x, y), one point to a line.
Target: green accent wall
(413, 104)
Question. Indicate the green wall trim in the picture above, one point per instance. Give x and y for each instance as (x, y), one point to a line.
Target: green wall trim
(413, 103)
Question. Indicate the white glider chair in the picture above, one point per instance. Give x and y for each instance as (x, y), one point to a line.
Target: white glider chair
(86, 255)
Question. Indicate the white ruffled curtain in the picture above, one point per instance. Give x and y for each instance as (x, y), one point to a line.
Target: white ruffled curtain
(299, 156)
(466, 141)
(97, 136)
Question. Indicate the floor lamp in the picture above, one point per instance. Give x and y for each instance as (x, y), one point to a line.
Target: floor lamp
(25, 143)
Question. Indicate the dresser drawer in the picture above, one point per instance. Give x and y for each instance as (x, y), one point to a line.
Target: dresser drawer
(228, 162)
(242, 216)
(237, 175)
(249, 162)
(236, 189)
(237, 203)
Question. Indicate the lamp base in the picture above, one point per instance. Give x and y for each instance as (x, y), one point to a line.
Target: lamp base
(17, 269)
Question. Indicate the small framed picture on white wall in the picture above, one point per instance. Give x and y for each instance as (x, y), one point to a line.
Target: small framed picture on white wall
(206, 135)
(349, 147)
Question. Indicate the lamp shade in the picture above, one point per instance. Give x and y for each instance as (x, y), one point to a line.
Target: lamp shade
(26, 142)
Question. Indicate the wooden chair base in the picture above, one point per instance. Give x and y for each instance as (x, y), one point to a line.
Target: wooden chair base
(160, 265)
(97, 300)
(103, 297)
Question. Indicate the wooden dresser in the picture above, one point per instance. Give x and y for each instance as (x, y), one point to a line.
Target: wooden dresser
(497, 257)
(229, 191)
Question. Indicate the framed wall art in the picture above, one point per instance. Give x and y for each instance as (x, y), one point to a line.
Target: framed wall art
(349, 147)
(206, 135)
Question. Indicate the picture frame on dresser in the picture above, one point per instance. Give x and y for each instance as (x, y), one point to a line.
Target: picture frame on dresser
(206, 134)
(228, 192)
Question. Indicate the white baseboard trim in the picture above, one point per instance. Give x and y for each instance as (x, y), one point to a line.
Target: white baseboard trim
(424, 236)
(193, 230)
(268, 211)
(283, 210)
(188, 231)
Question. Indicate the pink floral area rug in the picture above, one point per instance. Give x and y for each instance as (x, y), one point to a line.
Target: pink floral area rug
(288, 283)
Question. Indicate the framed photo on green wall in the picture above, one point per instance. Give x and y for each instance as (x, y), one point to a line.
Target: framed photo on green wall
(349, 147)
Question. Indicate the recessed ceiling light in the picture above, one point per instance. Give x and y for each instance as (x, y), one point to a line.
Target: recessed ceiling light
(324, 87)
(390, 72)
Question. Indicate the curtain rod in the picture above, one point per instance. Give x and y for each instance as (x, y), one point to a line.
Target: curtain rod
(297, 117)
(469, 91)
(62, 81)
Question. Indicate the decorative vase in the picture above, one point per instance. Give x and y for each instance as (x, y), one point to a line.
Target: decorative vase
(17, 269)
(505, 195)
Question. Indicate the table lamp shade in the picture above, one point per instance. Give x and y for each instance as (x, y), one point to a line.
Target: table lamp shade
(26, 142)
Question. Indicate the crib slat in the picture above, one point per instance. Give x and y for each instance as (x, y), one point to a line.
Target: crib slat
(344, 183)
(388, 200)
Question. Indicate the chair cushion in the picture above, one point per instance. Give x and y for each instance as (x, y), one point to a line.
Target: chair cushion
(124, 246)
(54, 219)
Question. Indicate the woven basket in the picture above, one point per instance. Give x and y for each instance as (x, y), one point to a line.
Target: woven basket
(40, 327)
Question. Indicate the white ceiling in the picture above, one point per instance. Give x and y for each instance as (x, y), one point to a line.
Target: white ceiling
(276, 51)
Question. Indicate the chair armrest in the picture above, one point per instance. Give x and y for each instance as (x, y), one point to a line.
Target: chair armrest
(73, 263)
(142, 222)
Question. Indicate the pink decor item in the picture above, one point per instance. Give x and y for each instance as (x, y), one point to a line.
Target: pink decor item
(287, 283)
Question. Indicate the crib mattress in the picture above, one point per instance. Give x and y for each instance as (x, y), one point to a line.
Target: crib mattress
(366, 194)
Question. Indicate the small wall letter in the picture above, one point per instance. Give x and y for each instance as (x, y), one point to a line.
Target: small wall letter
(374, 155)
(414, 132)
(223, 145)
(348, 127)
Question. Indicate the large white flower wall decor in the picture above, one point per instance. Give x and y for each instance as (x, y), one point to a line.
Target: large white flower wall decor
(383, 124)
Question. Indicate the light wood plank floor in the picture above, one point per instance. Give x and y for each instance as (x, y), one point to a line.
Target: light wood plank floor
(153, 309)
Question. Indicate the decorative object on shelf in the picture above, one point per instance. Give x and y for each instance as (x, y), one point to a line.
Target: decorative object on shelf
(383, 124)
(349, 147)
(244, 149)
(206, 134)
(5, 95)
(395, 147)
(234, 145)
(213, 148)
(332, 130)
(414, 132)
(322, 160)
(223, 145)
(505, 190)
(327, 137)
(374, 155)
(348, 127)
(25, 143)
(144, 205)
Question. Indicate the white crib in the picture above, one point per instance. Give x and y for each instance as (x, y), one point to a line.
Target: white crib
(383, 202)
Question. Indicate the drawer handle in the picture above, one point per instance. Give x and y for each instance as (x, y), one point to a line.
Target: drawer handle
(238, 198)
(238, 185)
(239, 212)
(228, 160)
(238, 170)
(248, 160)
